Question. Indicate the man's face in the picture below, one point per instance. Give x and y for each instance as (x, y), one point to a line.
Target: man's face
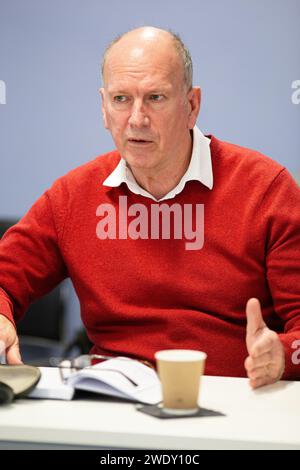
(146, 105)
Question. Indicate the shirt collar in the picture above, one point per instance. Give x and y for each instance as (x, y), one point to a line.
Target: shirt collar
(200, 169)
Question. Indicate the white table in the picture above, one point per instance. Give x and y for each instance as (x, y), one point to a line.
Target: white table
(268, 418)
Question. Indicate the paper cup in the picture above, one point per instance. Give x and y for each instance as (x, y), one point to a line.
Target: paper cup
(180, 372)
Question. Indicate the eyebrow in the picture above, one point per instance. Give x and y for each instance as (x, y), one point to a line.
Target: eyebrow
(120, 91)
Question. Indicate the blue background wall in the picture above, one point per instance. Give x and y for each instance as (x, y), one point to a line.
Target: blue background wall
(246, 58)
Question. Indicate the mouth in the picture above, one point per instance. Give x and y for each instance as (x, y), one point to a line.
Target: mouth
(139, 142)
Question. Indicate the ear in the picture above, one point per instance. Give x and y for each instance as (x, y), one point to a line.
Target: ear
(104, 113)
(194, 99)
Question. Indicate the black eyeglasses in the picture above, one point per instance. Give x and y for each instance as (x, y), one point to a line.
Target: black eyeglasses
(85, 361)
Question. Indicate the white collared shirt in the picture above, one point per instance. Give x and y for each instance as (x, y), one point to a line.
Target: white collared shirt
(200, 169)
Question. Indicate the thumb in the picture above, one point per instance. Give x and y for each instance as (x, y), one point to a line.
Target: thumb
(13, 355)
(255, 320)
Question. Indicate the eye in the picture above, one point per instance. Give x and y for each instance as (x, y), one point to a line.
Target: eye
(120, 98)
(156, 97)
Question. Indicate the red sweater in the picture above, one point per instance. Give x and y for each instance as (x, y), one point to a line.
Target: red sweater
(139, 296)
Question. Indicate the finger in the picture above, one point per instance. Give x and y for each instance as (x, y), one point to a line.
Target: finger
(256, 383)
(263, 345)
(255, 320)
(2, 352)
(13, 355)
(263, 360)
(258, 373)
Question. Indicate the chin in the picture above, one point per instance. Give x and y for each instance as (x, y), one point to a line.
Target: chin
(139, 161)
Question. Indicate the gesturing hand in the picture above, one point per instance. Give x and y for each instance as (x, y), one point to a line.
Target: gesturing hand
(266, 361)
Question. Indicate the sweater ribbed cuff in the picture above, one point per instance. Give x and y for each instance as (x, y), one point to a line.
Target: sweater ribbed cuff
(292, 356)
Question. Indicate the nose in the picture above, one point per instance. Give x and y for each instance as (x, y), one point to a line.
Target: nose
(138, 118)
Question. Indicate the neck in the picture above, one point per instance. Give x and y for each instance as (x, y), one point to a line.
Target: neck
(160, 182)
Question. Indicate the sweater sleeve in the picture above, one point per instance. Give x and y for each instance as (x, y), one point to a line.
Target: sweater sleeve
(31, 262)
(281, 220)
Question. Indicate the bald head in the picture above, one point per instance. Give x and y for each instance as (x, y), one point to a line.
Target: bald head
(146, 42)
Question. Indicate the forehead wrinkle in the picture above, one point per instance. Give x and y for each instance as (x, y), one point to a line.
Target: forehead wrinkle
(142, 86)
(141, 67)
(129, 77)
(139, 89)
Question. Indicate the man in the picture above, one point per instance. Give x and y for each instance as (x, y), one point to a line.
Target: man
(143, 284)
